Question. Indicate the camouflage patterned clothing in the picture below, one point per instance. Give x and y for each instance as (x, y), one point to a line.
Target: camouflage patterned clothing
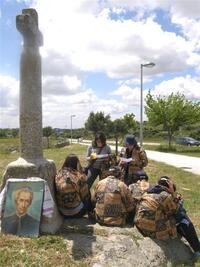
(154, 215)
(72, 192)
(139, 162)
(139, 188)
(106, 165)
(113, 201)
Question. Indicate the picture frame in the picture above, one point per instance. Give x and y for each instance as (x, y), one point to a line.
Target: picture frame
(23, 207)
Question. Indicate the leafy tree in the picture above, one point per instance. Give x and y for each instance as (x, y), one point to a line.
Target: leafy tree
(130, 122)
(98, 122)
(15, 132)
(171, 112)
(119, 128)
(47, 132)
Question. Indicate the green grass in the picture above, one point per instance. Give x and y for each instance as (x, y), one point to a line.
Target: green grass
(52, 250)
(45, 251)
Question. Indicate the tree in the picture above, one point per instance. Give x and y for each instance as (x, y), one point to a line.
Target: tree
(130, 122)
(171, 112)
(47, 132)
(119, 129)
(97, 122)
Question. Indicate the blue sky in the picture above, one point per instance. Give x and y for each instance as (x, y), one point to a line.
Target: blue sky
(92, 54)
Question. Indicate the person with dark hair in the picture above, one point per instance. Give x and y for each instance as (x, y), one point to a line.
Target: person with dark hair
(184, 225)
(154, 212)
(99, 158)
(133, 159)
(113, 200)
(140, 185)
(160, 214)
(72, 192)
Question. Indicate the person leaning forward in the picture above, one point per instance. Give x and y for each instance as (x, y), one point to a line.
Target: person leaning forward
(154, 216)
(113, 200)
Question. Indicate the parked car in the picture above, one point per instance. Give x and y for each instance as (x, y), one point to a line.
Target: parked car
(187, 141)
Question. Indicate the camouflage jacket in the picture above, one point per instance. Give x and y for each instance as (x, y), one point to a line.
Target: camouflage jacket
(113, 201)
(154, 215)
(139, 188)
(140, 161)
(72, 191)
(112, 161)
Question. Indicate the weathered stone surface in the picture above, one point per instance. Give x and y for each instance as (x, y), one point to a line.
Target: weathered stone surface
(30, 86)
(115, 246)
(44, 169)
(32, 163)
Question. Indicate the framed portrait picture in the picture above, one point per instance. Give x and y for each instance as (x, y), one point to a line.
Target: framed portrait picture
(23, 207)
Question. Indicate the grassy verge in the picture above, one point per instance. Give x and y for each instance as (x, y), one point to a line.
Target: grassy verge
(44, 251)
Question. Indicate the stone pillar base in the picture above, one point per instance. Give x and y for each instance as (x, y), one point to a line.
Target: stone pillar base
(44, 169)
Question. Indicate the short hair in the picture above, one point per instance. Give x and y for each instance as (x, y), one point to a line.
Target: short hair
(163, 180)
(100, 136)
(26, 189)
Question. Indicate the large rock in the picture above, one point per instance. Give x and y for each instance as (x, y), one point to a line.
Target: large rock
(115, 246)
(44, 169)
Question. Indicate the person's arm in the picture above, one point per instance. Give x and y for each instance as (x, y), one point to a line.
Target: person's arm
(143, 158)
(85, 193)
(170, 205)
(60, 182)
(127, 198)
(89, 151)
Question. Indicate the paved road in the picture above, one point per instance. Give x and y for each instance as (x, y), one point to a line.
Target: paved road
(190, 164)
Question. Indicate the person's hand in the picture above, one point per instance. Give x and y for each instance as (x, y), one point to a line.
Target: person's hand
(122, 162)
(178, 196)
(170, 186)
(93, 156)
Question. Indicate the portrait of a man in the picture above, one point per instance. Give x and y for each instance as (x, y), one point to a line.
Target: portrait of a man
(21, 222)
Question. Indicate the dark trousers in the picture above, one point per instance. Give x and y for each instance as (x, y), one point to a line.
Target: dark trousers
(92, 175)
(189, 233)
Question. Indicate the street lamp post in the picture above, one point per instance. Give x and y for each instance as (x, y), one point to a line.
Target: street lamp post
(147, 65)
(71, 125)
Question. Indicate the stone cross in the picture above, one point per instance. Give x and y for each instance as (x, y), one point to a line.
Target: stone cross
(32, 163)
(30, 86)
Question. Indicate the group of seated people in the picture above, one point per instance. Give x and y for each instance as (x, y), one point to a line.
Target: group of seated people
(123, 193)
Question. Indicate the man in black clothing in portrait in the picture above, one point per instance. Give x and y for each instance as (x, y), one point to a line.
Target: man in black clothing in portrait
(21, 223)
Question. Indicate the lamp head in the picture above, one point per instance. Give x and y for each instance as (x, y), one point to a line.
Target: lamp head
(148, 65)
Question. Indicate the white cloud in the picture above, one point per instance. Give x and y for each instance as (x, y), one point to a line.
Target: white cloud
(188, 86)
(82, 36)
(61, 85)
(9, 88)
(91, 41)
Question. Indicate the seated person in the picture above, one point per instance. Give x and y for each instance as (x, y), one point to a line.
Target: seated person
(154, 213)
(72, 191)
(137, 159)
(141, 185)
(160, 214)
(184, 225)
(113, 200)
